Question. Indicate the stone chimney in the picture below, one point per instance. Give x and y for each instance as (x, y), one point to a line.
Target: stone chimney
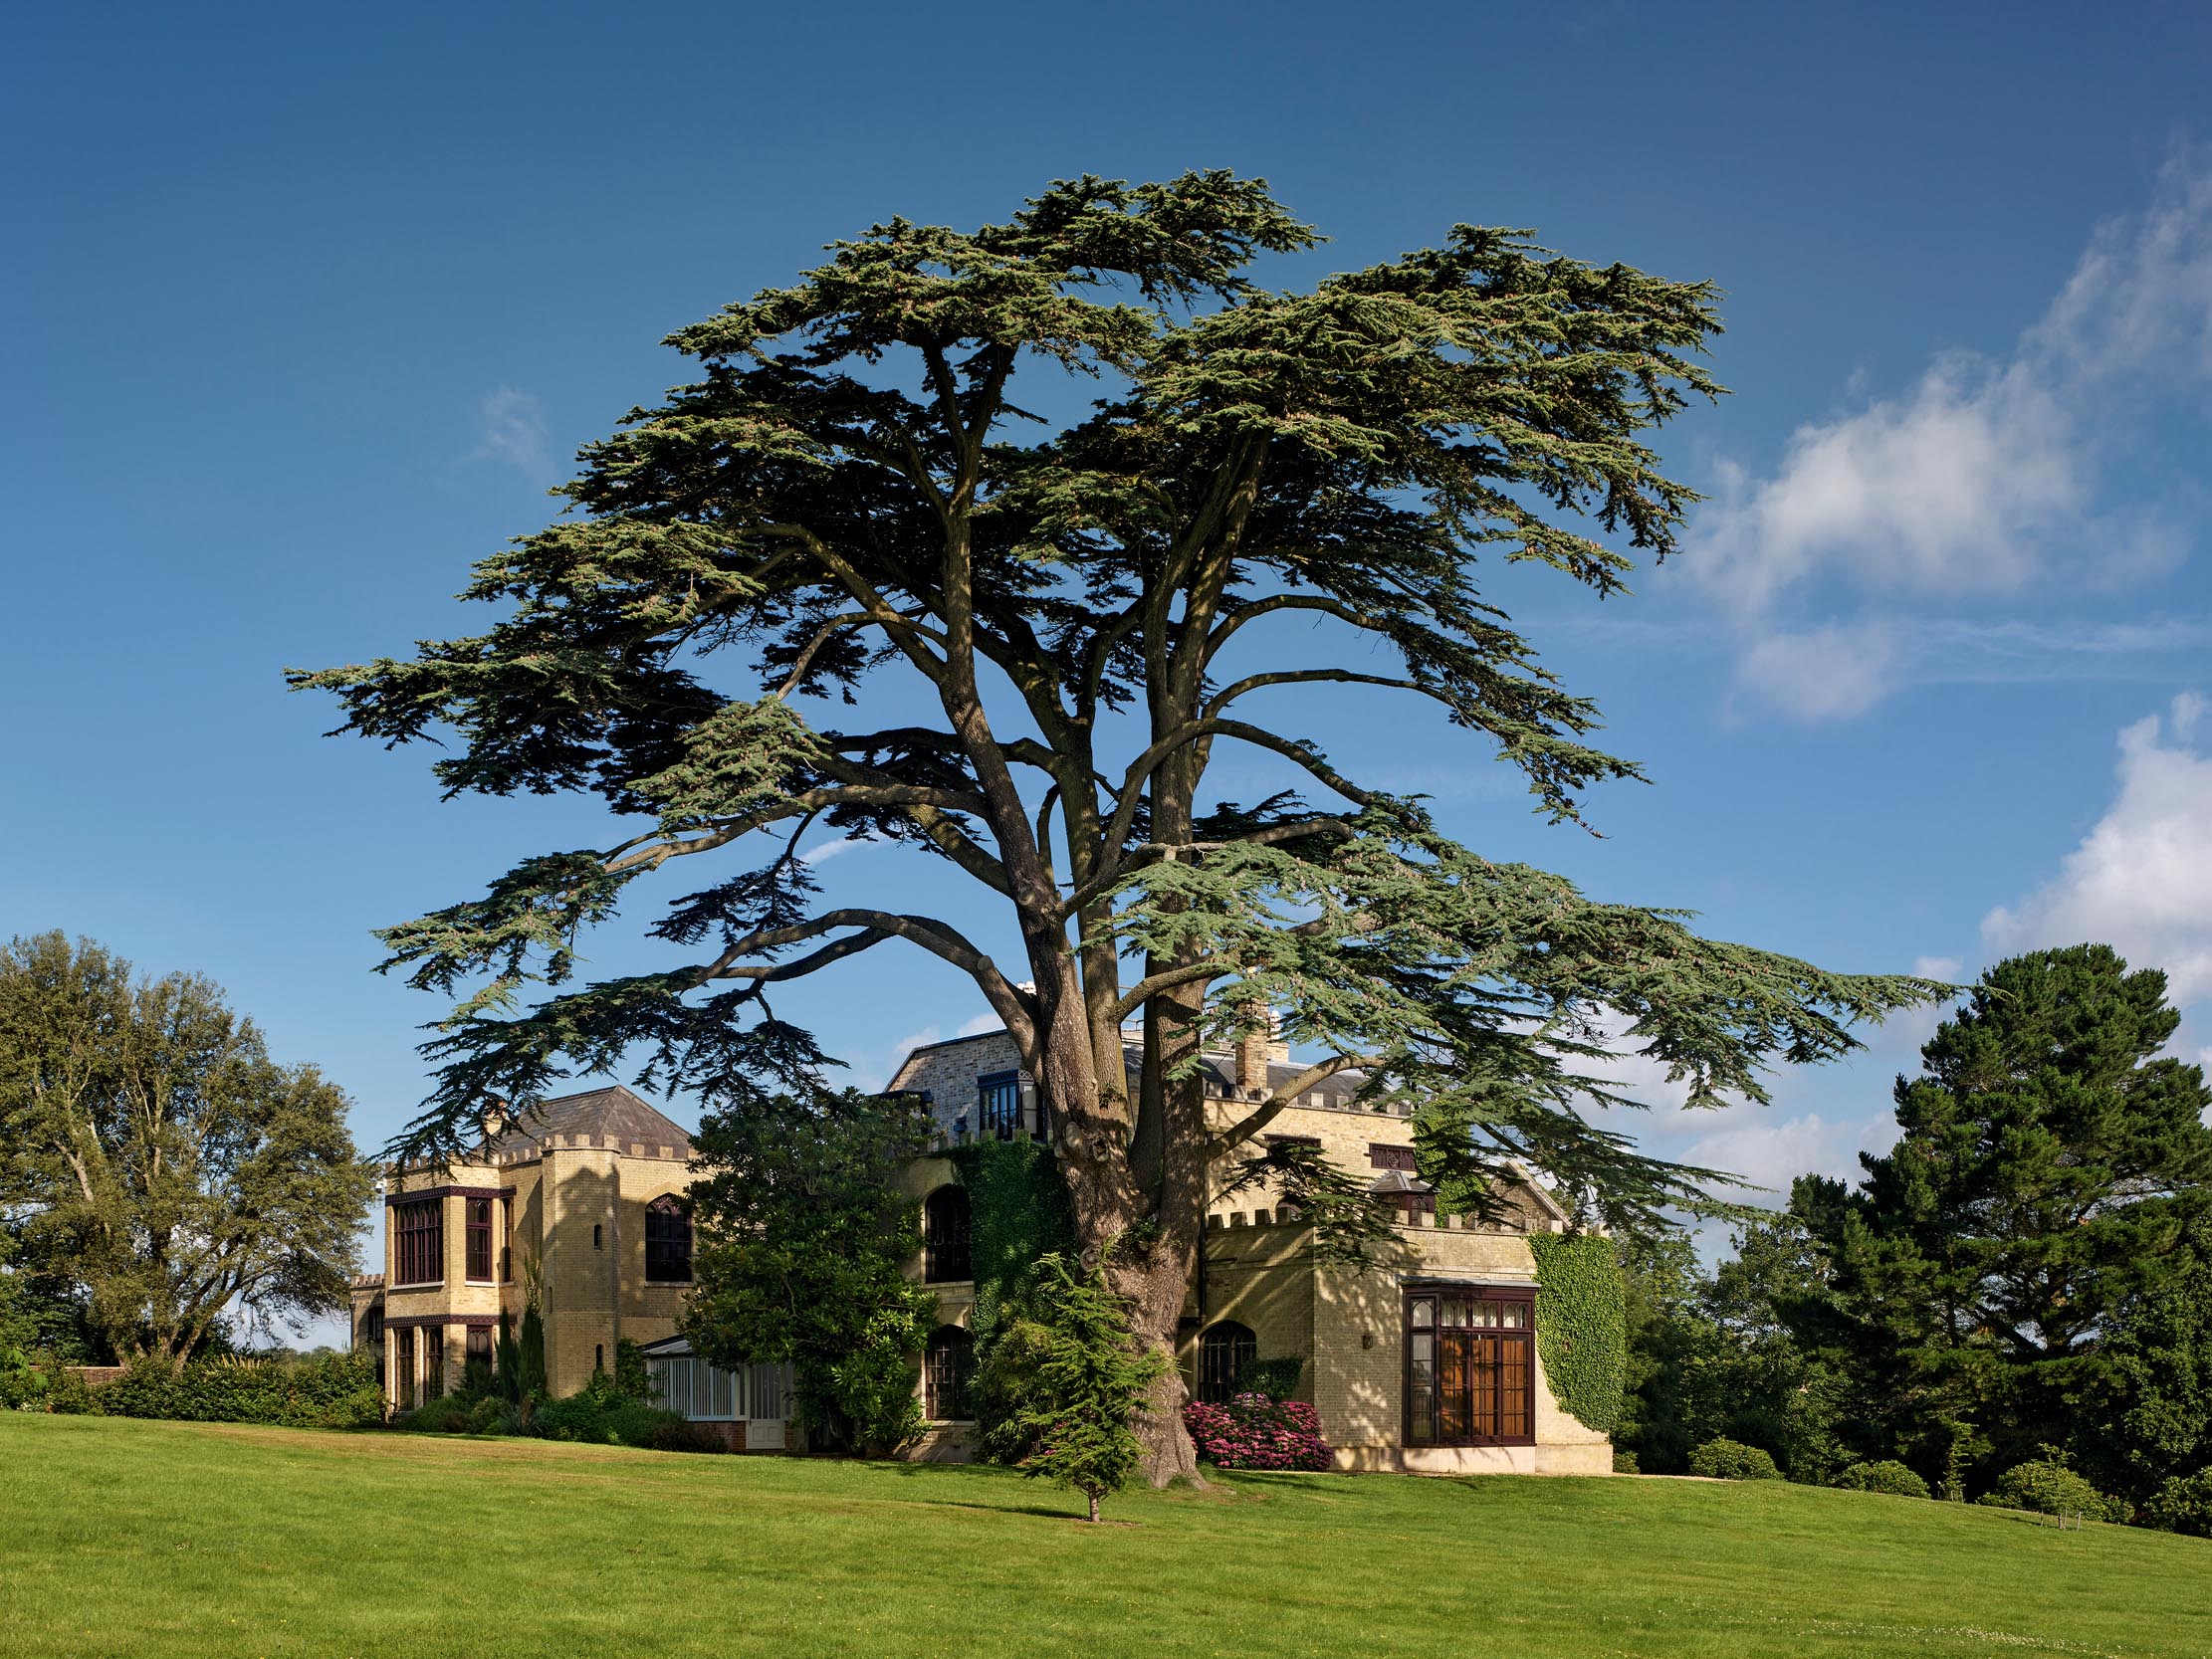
(1256, 1048)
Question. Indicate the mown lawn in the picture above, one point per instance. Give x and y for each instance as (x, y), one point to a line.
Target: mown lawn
(122, 1538)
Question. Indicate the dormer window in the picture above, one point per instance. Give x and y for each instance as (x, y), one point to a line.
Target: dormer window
(1001, 1106)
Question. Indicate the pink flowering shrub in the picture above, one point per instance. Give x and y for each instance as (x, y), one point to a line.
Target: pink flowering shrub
(1256, 1432)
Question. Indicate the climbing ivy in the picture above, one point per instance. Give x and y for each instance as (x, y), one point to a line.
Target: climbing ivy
(1581, 1328)
(1018, 1214)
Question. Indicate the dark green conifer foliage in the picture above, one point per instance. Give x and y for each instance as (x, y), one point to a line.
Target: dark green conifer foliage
(1085, 1381)
(2050, 1173)
(1061, 628)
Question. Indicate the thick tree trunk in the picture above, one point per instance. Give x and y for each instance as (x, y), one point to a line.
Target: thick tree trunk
(1169, 1454)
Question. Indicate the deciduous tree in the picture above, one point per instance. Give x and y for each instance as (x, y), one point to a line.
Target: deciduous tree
(1063, 626)
(802, 1242)
(153, 1155)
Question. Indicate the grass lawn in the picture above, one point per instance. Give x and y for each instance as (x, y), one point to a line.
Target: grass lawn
(124, 1537)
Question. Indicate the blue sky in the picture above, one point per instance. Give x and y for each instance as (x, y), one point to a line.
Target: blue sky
(304, 309)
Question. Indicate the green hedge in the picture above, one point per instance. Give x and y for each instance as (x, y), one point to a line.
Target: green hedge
(1887, 1475)
(1732, 1459)
(1277, 1378)
(326, 1390)
(2051, 1487)
(2182, 1504)
(1581, 1325)
(1018, 1214)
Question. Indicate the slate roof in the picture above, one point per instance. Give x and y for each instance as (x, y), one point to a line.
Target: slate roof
(611, 1113)
(1220, 1070)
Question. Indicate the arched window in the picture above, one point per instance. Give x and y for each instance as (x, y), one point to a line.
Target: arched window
(945, 1231)
(1224, 1349)
(667, 1241)
(945, 1368)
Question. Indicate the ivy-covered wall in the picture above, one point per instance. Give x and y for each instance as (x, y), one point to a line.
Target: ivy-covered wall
(1018, 1212)
(1581, 1325)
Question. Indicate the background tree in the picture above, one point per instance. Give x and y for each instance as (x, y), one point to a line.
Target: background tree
(153, 1155)
(2150, 1419)
(2050, 1173)
(802, 1242)
(1063, 626)
(1077, 1379)
(1712, 1355)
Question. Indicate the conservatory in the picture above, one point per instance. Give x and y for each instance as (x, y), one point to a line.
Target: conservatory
(749, 1405)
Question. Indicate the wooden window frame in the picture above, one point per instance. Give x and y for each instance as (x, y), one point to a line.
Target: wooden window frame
(1503, 1410)
(949, 1368)
(418, 1239)
(668, 1241)
(507, 1238)
(477, 1347)
(476, 1235)
(1217, 1381)
(1002, 1105)
(1382, 1154)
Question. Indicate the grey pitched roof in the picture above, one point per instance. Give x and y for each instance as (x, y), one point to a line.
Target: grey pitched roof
(609, 1114)
(1220, 1070)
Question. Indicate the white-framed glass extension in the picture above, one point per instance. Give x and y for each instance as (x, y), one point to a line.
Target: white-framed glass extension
(760, 1396)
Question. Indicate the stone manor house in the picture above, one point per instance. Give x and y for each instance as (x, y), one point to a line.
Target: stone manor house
(1424, 1361)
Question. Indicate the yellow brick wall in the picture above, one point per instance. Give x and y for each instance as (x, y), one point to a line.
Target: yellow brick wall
(593, 1295)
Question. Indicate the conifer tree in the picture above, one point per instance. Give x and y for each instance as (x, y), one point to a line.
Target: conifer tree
(1085, 1381)
(2051, 1169)
(1059, 628)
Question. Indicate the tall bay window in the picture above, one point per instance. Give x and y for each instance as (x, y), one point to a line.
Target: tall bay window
(667, 1241)
(478, 1219)
(1470, 1368)
(418, 1229)
(403, 1366)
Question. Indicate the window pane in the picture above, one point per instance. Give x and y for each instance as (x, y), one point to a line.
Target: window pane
(1424, 1312)
(1454, 1311)
(1514, 1314)
(1513, 1381)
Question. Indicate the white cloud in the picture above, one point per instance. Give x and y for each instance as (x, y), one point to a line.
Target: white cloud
(1936, 968)
(832, 849)
(1983, 477)
(1828, 672)
(1948, 489)
(2141, 879)
(2140, 299)
(510, 429)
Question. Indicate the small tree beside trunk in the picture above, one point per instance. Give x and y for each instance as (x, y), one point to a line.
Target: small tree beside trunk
(1078, 1380)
